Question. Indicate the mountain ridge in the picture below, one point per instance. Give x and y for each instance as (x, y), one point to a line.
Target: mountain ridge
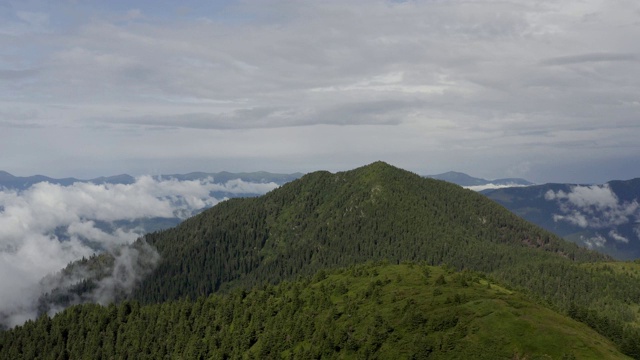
(466, 180)
(10, 181)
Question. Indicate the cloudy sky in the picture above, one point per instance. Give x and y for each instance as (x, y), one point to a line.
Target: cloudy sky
(545, 90)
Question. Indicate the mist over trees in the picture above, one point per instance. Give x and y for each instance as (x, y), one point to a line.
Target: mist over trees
(53, 222)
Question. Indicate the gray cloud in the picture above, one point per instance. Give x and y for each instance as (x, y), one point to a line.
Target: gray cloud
(368, 113)
(17, 74)
(492, 186)
(473, 80)
(587, 58)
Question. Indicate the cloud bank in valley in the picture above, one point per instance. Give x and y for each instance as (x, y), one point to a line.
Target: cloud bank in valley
(492, 186)
(596, 207)
(47, 226)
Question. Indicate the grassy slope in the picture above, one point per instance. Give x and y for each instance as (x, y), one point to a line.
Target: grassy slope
(492, 322)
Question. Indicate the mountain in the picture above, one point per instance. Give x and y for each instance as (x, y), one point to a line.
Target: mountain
(124, 179)
(20, 183)
(371, 213)
(465, 180)
(602, 217)
(224, 176)
(378, 213)
(383, 311)
(9, 181)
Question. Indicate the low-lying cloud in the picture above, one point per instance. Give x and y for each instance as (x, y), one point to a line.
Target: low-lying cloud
(492, 186)
(112, 278)
(47, 226)
(595, 207)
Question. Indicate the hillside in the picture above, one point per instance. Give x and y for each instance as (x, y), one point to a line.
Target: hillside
(602, 217)
(380, 311)
(322, 220)
(382, 213)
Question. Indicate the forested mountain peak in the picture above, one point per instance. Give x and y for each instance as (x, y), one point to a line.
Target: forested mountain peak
(374, 212)
(377, 168)
(376, 172)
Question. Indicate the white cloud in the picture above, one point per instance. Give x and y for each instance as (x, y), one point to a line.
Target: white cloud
(597, 241)
(238, 186)
(595, 206)
(131, 264)
(573, 217)
(21, 271)
(617, 237)
(492, 186)
(45, 227)
(599, 197)
(86, 230)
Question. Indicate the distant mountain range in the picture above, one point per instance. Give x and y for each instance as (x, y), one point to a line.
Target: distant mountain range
(9, 181)
(20, 183)
(475, 183)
